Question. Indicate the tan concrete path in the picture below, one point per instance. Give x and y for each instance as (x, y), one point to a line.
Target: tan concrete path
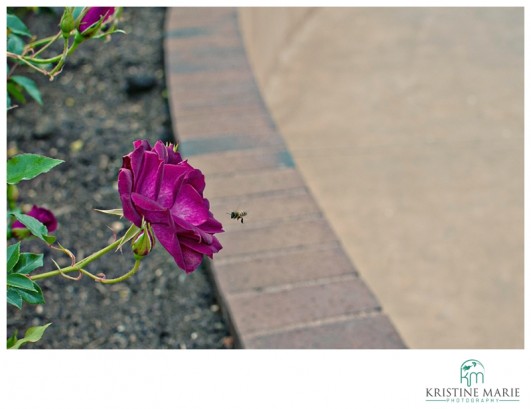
(407, 125)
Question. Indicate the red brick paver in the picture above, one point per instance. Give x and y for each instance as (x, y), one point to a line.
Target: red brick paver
(282, 276)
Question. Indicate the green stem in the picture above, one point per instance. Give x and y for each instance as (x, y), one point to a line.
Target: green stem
(24, 61)
(49, 40)
(72, 49)
(122, 278)
(50, 60)
(42, 60)
(95, 278)
(113, 280)
(59, 66)
(79, 265)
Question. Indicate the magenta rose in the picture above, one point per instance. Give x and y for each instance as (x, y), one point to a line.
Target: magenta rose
(93, 15)
(155, 184)
(43, 215)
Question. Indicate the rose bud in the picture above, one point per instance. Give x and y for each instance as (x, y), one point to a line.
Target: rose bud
(93, 19)
(67, 22)
(142, 243)
(43, 215)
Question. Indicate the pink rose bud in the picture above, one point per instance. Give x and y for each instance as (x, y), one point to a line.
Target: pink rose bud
(43, 215)
(92, 17)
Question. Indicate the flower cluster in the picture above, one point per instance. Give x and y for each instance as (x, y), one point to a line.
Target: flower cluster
(25, 49)
(158, 187)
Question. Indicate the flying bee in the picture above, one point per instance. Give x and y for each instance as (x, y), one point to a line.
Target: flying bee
(238, 214)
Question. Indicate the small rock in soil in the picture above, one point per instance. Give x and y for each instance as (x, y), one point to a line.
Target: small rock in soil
(138, 83)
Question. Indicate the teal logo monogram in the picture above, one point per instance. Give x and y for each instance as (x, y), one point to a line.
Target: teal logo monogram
(472, 372)
(472, 388)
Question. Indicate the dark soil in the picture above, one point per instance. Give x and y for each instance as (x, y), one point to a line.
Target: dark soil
(108, 95)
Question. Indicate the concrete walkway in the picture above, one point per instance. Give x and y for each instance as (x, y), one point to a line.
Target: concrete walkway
(407, 126)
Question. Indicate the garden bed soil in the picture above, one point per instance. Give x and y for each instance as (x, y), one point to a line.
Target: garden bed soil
(108, 95)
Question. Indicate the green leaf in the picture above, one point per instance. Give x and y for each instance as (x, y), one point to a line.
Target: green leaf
(27, 166)
(29, 85)
(33, 334)
(114, 212)
(16, 92)
(34, 296)
(19, 281)
(36, 228)
(14, 298)
(15, 44)
(12, 339)
(8, 104)
(15, 25)
(13, 254)
(129, 234)
(28, 262)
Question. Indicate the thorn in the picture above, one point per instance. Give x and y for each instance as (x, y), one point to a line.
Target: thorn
(66, 251)
(67, 276)
(115, 237)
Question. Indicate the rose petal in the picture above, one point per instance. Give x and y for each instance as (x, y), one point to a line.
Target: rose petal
(168, 239)
(211, 225)
(148, 182)
(151, 210)
(171, 181)
(161, 151)
(125, 186)
(173, 157)
(192, 259)
(166, 153)
(126, 162)
(202, 247)
(142, 143)
(189, 206)
(136, 158)
(45, 216)
(196, 179)
(197, 235)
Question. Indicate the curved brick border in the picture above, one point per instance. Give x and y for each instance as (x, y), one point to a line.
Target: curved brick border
(283, 279)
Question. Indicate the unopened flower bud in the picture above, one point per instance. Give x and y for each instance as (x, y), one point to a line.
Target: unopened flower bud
(67, 22)
(143, 242)
(43, 215)
(93, 19)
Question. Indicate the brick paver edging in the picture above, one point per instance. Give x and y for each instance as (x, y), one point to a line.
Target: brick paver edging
(283, 279)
